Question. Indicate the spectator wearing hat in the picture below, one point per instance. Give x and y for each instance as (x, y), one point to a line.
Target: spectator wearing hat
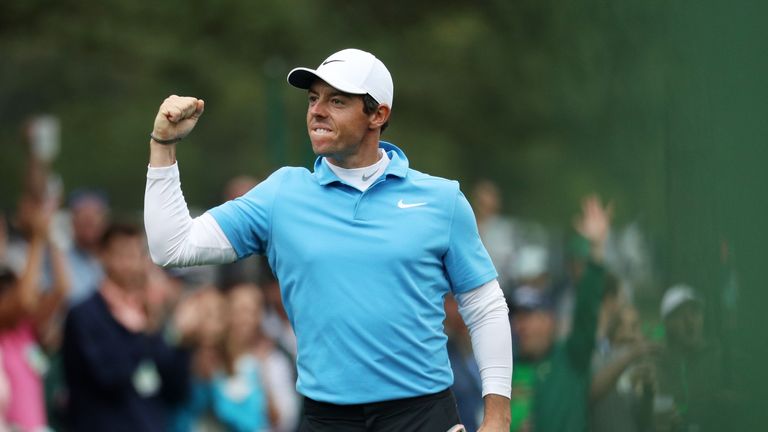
(551, 379)
(691, 392)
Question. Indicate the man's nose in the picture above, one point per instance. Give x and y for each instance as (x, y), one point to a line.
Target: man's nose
(318, 109)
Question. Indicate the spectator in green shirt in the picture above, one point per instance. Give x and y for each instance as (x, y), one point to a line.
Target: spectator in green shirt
(550, 382)
(693, 393)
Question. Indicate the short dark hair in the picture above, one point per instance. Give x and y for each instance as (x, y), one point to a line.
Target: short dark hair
(119, 229)
(370, 105)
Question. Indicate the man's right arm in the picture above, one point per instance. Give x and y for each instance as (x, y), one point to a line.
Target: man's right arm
(175, 239)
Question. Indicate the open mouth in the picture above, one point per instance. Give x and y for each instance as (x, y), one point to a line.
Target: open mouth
(321, 131)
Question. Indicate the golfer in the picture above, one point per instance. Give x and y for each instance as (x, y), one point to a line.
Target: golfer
(365, 249)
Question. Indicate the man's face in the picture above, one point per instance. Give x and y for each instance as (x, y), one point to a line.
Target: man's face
(487, 200)
(89, 219)
(125, 261)
(336, 122)
(685, 326)
(535, 330)
(246, 307)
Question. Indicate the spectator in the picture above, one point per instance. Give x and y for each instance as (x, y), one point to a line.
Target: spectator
(691, 388)
(242, 382)
(236, 394)
(249, 269)
(551, 379)
(123, 373)
(253, 358)
(275, 322)
(577, 258)
(25, 316)
(89, 210)
(531, 267)
(195, 413)
(611, 305)
(496, 231)
(622, 387)
(467, 386)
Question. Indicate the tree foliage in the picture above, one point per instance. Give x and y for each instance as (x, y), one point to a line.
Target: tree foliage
(540, 96)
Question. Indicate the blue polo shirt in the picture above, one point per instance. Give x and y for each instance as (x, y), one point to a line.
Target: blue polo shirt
(363, 274)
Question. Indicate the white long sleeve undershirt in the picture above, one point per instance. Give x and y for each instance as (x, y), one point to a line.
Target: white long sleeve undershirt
(484, 311)
(176, 240)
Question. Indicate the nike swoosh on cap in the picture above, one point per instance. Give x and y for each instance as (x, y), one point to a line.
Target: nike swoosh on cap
(330, 61)
(403, 205)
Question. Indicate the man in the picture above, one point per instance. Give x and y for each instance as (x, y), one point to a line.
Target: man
(552, 378)
(90, 213)
(692, 390)
(123, 374)
(365, 249)
(497, 231)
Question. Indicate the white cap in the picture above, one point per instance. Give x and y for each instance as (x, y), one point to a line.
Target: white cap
(351, 71)
(675, 297)
(530, 261)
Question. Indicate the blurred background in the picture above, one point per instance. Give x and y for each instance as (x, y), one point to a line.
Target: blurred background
(657, 106)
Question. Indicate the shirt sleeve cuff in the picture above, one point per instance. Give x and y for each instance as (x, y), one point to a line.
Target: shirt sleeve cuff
(163, 172)
(501, 388)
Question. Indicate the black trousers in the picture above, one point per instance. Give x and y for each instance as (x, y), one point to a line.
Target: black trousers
(431, 413)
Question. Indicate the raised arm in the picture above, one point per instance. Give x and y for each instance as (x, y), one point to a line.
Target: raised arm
(23, 300)
(51, 302)
(593, 224)
(175, 239)
(175, 119)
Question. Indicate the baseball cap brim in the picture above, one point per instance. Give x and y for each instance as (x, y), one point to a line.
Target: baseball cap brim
(528, 299)
(676, 297)
(304, 77)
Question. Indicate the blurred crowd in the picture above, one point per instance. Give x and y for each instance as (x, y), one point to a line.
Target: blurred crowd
(587, 356)
(95, 337)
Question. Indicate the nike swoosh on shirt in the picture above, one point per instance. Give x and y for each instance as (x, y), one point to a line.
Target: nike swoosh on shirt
(330, 61)
(403, 205)
(368, 177)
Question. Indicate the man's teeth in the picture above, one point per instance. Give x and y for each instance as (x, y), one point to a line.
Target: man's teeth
(322, 130)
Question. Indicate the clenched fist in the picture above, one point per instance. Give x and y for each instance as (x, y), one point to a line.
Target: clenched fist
(177, 117)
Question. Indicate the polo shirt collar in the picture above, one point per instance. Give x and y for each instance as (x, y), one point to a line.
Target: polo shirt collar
(398, 165)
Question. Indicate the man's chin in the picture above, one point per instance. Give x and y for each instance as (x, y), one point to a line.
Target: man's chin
(321, 150)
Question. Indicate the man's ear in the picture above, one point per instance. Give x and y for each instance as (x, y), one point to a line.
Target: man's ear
(378, 118)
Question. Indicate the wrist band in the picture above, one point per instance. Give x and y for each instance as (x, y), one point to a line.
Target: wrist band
(164, 142)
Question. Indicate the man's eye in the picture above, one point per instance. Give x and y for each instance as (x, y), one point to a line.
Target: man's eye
(337, 101)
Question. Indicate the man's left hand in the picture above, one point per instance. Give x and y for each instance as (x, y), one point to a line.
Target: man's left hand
(497, 414)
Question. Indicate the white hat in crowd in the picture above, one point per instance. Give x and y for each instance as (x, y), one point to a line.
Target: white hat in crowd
(530, 261)
(351, 71)
(675, 297)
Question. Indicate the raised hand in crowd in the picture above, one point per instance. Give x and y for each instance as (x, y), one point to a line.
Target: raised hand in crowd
(26, 300)
(594, 224)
